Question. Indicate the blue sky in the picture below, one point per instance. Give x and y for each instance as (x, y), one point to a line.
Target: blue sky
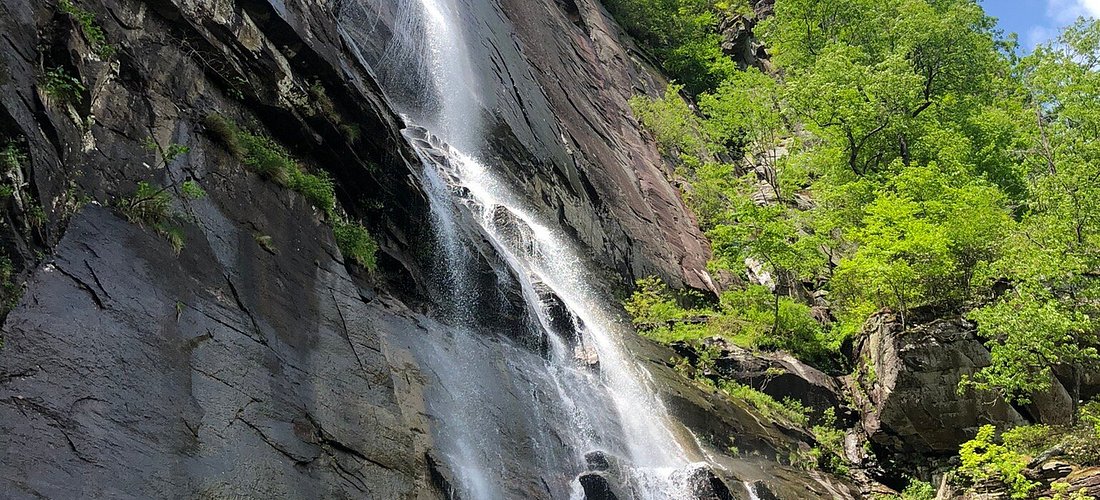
(1037, 21)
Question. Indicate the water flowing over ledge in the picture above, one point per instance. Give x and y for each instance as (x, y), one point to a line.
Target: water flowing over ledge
(469, 201)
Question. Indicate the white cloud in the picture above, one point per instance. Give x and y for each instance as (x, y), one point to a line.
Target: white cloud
(1038, 35)
(1067, 11)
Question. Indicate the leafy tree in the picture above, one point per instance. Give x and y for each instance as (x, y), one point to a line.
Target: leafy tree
(673, 123)
(984, 459)
(1053, 260)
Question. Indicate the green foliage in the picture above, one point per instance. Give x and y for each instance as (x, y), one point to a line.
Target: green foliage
(983, 459)
(1061, 491)
(317, 188)
(672, 122)
(267, 158)
(151, 206)
(10, 289)
(191, 189)
(1030, 335)
(60, 85)
(921, 241)
(356, 243)
(12, 160)
(265, 242)
(1031, 440)
(1049, 318)
(352, 132)
(830, 444)
(752, 317)
(169, 154)
(88, 25)
(942, 169)
(918, 490)
(174, 151)
(681, 34)
(226, 132)
(765, 404)
(271, 161)
(744, 109)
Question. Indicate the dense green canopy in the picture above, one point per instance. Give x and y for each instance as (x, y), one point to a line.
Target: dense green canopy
(898, 154)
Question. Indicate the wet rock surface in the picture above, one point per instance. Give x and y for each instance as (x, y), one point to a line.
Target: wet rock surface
(560, 125)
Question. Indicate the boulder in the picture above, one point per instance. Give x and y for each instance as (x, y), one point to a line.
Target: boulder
(597, 486)
(907, 381)
(702, 484)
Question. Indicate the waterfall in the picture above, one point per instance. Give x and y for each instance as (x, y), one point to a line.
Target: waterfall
(427, 72)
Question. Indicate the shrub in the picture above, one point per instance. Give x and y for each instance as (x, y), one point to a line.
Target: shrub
(658, 314)
(985, 460)
(8, 286)
(765, 404)
(672, 122)
(356, 243)
(150, 206)
(830, 442)
(1031, 440)
(62, 86)
(12, 159)
(268, 159)
(92, 32)
(317, 188)
(225, 132)
(191, 189)
(265, 242)
(918, 490)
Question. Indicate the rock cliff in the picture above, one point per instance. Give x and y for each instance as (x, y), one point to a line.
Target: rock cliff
(257, 360)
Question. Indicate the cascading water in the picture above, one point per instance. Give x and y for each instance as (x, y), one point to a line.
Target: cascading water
(427, 72)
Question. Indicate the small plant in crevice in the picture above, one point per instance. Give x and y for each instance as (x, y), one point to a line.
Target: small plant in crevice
(265, 242)
(150, 206)
(356, 243)
(12, 159)
(88, 25)
(352, 132)
(830, 443)
(263, 155)
(10, 289)
(60, 85)
(169, 154)
(225, 132)
(192, 190)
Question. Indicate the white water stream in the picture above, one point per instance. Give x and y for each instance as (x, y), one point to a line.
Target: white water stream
(470, 199)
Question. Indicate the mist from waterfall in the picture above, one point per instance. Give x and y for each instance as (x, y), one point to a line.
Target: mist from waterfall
(427, 72)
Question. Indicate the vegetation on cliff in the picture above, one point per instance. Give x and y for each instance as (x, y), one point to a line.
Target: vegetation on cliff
(896, 154)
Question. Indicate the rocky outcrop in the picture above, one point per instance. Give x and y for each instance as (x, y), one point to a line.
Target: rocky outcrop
(908, 378)
(725, 425)
(587, 69)
(557, 76)
(131, 373)
(777, 374)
